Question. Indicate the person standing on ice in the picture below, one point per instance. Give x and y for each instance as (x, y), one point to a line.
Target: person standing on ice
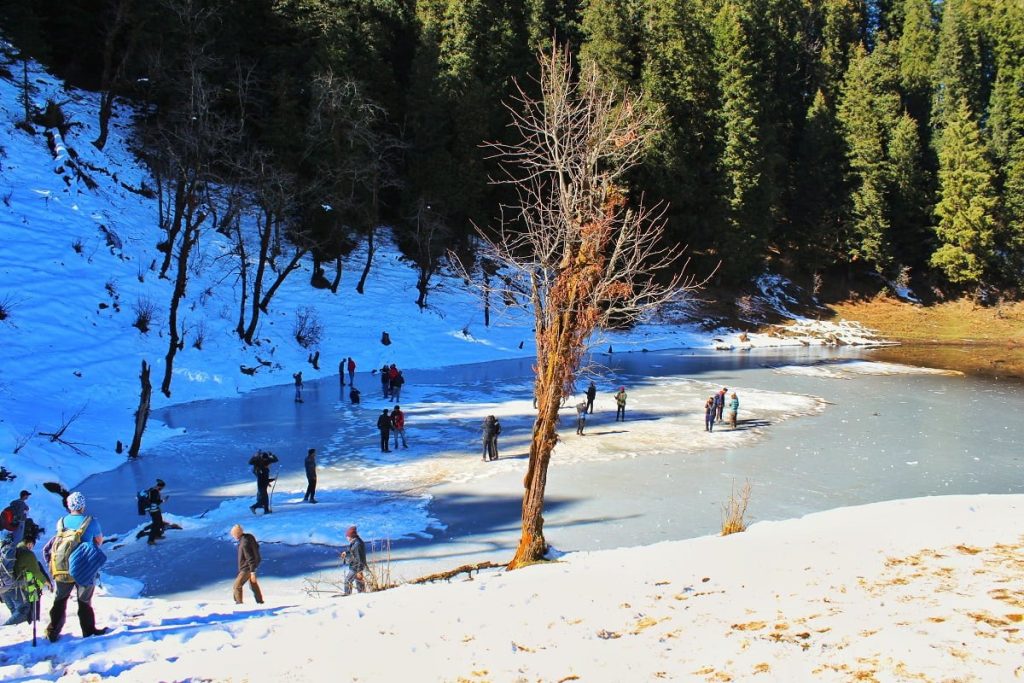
(248, 562)
(398, 425)
(396, 385)
(734, 409)
(720, 403)
(156, 515)
(351, 370)
(298, 386)
(620, 405)
(310, 463)
(341, 371)
(490, 423)
(581, 417)
(709, 414)
(261, 463)
(384, 425)
(355, 558)
(385, 381)
(591, 395)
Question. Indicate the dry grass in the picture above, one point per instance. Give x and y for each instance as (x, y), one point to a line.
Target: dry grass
(734, 512)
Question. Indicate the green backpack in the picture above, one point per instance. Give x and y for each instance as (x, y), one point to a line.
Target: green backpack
(64, 543)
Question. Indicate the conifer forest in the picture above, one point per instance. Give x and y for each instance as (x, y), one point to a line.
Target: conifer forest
(871, 139)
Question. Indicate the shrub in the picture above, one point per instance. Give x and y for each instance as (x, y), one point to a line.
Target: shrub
(734, 512)
(144, 311)
(6, 308)
(199, 336)
(308, 329)
(77, 245)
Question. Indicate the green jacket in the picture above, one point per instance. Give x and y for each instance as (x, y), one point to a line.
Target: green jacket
(28, 569)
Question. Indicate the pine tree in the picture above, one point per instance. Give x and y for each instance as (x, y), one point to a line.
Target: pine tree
(909, 196)
(842, 28)
(917, 47)
(743, 158)
(611, 40)
(966, 224)
(959, 66)
(869, 111)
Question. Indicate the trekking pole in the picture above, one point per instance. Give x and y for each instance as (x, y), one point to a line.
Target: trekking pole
(270, 498)
(34, 606)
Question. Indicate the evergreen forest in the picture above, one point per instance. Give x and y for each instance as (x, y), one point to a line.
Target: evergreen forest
(879, 140)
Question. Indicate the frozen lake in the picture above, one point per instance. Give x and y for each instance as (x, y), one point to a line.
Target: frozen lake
(819, 429)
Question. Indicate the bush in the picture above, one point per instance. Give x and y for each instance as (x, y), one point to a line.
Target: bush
(6, 308)
(77, 245)
(308, 329)
(144, 312)
(734, 512)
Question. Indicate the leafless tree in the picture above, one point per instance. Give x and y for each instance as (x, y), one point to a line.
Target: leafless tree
(142, 413)
(431, 236)
(589, 258)
(122, 31)
(57, 436)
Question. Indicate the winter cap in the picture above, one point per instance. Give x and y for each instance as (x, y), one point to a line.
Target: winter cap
(24, 493)
(351, 532)
(76, 501)
(160, 483)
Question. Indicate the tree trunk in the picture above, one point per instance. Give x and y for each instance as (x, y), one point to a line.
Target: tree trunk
(142, 414)
(243, 273)
(487, 298)
(189, 237)
(257, 281)
(369, 260)
(292, 265)
(180, 200)
(337, 275)
(106, 110)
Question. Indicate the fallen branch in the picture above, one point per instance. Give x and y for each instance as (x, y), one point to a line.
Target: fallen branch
(466, 568)
(58, 436)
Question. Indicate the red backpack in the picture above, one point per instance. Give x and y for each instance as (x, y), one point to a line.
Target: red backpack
(7, 522)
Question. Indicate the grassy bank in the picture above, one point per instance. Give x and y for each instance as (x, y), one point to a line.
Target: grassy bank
(958, 335)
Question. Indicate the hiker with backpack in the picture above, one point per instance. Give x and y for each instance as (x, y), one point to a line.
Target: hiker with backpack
(150, 501)
(261, 463)
(75, 556)
(12, 518)
(29, 577)
(248, 562)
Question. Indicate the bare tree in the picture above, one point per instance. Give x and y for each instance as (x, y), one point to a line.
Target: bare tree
(142, 413)
(588, 257)
(431, 236)
(117, 50)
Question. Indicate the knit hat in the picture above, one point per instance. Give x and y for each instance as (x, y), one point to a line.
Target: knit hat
(76, 501)
(351, 532)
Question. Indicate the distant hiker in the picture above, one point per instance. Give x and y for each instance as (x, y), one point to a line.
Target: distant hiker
(298, 386)
(581, 417)
(591, 395)
(385, 381)
(29, 578)
(248, 562)
(353, 396)
(398, 425)
(719, 403)
(351, 370)
(156, 516)
(734, 409)
(384, 425)
(490, 425)
(396, 385)
(355, 558)
(310, 463)
(72, 530)
(709, 414)
(261, 463)
(12, 518)
(620, 405)
(341, 371)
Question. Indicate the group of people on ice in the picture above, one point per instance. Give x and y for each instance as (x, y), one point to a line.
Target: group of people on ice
(718, 403)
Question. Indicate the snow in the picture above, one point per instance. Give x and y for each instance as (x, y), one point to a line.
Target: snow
(833, 596)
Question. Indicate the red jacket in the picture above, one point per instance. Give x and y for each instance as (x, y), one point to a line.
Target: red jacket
(351, 365)
(398, 419)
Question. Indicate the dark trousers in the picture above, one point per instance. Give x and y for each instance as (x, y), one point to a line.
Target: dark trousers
(620, 413)
(310, 489)
(156, 526)
(590, 405)
(384, 434)
(709, 421)
(86, 617)
(262, 499)
(356, 577)
(240, 581)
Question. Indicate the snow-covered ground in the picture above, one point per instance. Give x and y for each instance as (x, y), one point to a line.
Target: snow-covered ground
(937, 594)
(925, 589)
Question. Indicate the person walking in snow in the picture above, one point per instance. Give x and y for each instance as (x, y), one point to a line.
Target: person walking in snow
(384, 425)
(355, 559)
(261, 463)
(720, 403)
(709, 414)
(733, 409)
(620, 405)
(156, 515)
(29, 578)
(248, 562)
(396, 386)
(581, 417)
(91, 532)
(398, 425)
(310, 463)
(591, 395)
(19, 513)
(298, 386)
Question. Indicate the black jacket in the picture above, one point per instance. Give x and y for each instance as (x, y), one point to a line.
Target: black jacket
(356, 557)
(248, 553)
(310, 467)
(384, 423)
